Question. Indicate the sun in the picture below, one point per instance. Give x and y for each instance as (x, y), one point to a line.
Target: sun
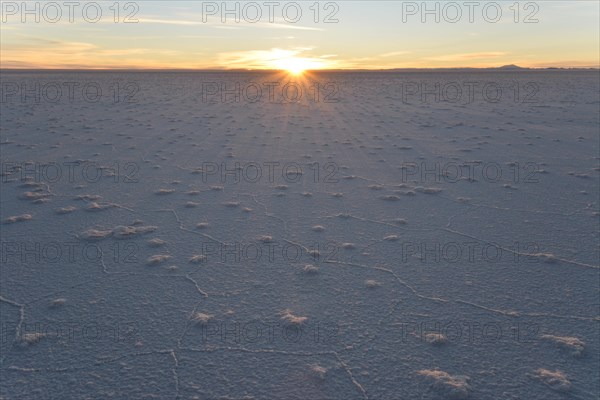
(295, 65)
(296, 69)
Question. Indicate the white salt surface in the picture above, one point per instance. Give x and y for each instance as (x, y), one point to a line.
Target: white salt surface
(171, 282)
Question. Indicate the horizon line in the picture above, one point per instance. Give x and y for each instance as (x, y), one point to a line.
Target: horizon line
(503, 67)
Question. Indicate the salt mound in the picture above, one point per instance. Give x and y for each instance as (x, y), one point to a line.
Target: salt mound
(165, 191)
(435, 338)
(34, 195)
(313, 253)
(197, 259)
(310, 269)
(290, 318)
(98, 207)
(450, 386)
(202, 318)
(318, 371)
(157, 259)
(18, 218)
(66, 210)
(58, 302)
(28, 339)
(94, 234)
(576, 346)
(371, 284)
(427, 190)
(126, 232)
(546, 257)
(156, 242)
(554, 380)
(318, 228)
(202, 225)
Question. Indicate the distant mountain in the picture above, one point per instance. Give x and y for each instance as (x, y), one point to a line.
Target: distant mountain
(511, 67)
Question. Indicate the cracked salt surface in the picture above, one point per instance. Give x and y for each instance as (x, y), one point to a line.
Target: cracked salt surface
(376, 285)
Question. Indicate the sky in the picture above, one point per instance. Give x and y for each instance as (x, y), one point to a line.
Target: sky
(300, 35)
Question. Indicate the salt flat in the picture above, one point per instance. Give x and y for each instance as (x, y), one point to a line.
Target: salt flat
(377, 238)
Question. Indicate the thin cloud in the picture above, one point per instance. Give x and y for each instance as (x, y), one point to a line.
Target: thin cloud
(394, 53)
(36, 52)
(467, 56)
(221, 25)
(275, 25)
(269, 59)
(170, 21)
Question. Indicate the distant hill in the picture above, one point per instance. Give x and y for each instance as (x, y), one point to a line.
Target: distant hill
(511, 67)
